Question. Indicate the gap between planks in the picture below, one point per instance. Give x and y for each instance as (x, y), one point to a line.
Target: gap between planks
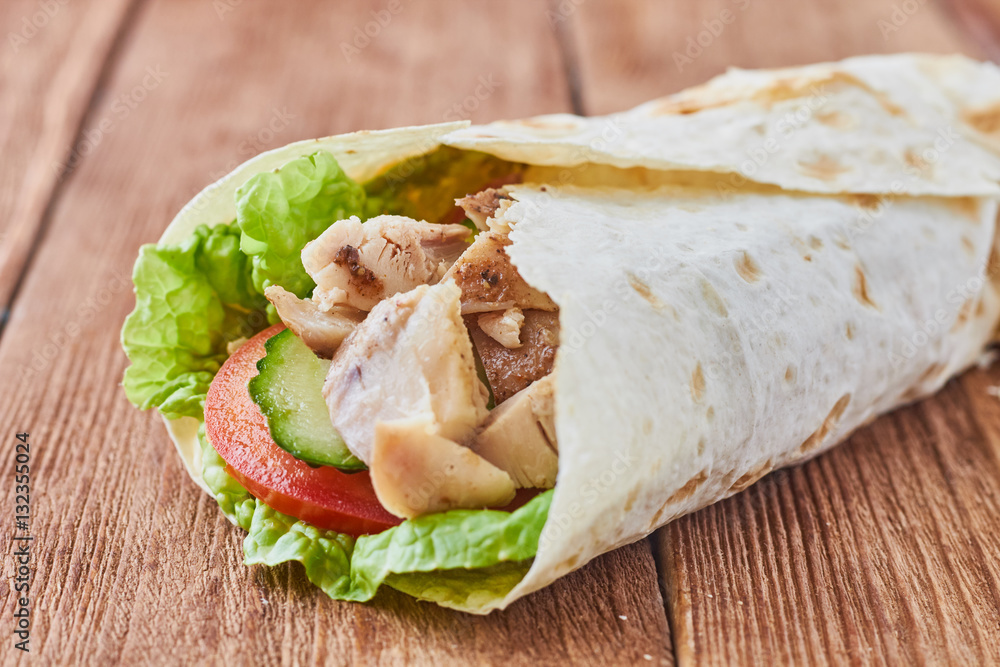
(26, 236)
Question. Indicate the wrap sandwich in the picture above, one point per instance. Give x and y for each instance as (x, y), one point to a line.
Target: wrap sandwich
(623, 319)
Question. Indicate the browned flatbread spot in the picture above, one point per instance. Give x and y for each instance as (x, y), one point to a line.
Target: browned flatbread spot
(645, 292)
(932, 371)
(860, 289)
(836, 119)
(749, 478)
(867, 202)
(746, 267)
(697, 383)
(688, 489)
(819, 435)
(963, 314)
(967, 207)
(712, 299)
(917, 161)
(985, 120)
(823, 168)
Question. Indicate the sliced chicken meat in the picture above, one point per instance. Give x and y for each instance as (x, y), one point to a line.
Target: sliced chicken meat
(322, 331)
(404, 393)
(411, 357)
(511, 370)
(519, 437)
(503, 327)
(483, 205)
(488, 279)
(415, 471)
(359, 264)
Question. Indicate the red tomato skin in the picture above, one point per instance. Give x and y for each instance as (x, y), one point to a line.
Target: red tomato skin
(324, 496)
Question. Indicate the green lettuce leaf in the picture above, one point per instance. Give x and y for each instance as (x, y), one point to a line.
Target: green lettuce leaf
(280, 211)
(459, 559)
(191, 299)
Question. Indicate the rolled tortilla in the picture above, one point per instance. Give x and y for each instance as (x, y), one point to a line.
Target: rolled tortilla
(746, 272)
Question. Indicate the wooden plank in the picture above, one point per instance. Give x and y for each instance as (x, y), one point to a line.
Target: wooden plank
(52, 58)
(634, 51)
(133, 563)
(980, 20)
(884, 550)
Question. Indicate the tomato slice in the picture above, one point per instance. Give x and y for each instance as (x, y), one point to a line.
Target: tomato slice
(324, 496)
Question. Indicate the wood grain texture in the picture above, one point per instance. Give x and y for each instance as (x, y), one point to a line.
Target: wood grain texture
(632, 51)
(134, 565)
(883, 551)
(50, 63)
(980, 19)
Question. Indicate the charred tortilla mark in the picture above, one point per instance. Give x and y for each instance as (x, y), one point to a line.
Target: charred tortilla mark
(815, 243)
(780, 90)
(823, 168)
(697, 384)
(645, 292)
(932, 372)
(688, 489)
(790, 374)
(965, 206)
(963, 314)
(836, 119)
(748, 479)
(819, 435)
(867, 202)
(630, 501)
(701, 444)
(679, 495)
(710, 414)
(860, 289)
(746, 267)
(545, 124)
(969, 246)
(849, 331)
(986, 120)
(915, 160)
(713, 299)
(980, 308)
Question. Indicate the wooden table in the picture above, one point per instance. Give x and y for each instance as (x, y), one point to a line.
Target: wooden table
(114, 113)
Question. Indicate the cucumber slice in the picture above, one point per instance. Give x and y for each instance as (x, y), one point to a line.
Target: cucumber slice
(289, 390)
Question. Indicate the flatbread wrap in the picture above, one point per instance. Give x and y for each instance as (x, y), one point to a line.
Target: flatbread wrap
(643, 314)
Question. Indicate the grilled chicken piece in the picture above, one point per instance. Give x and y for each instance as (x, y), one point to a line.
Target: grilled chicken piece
(322, 331)
(503, 327)
(360, 264)
(483, 205)
(415, 471)
(410, 359)
(488, 279)
(509, 371)
(519, 437)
